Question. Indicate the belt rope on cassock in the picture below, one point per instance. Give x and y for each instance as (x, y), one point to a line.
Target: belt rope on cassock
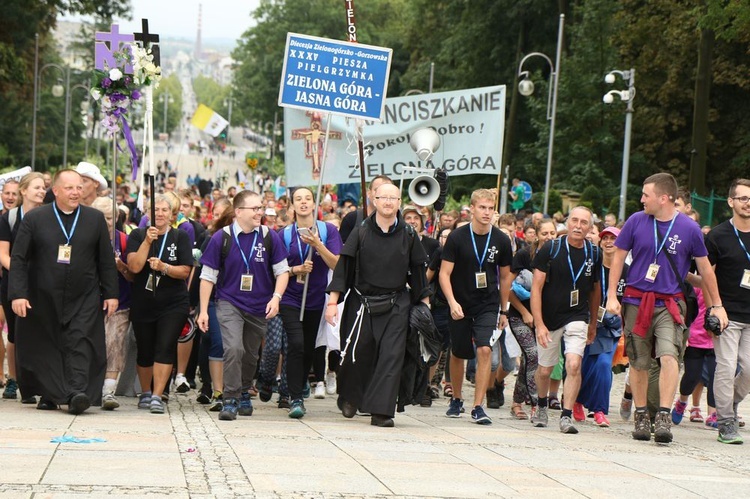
(358, 326)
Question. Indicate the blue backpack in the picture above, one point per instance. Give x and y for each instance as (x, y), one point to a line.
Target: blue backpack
(322, 233)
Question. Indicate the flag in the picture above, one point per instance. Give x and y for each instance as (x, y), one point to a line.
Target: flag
(208, 120)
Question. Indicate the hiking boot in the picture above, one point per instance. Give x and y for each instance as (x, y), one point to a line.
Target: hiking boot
(478, 416)
(728, 432)
(109, 402)
(626, 408)
(566, 426)
(246, 405)
(297, 409)
(493, 398)
(678, 411)
(454, 409)
(426, 399)
(662, 425)
(540, 418)
(578, 413)
(642, 429)
(32, 400)
(11, 389)
(229, 410)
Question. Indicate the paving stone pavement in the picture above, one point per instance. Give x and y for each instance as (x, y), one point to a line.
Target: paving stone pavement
(188, 453)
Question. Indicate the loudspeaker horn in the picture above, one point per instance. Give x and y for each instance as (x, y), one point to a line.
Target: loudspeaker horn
(425, 142)
(424, 190)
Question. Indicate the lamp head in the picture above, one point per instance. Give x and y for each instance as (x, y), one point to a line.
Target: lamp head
(58, 90)
(526, 87)
(425, 142)
(608, 98)
(609, 78)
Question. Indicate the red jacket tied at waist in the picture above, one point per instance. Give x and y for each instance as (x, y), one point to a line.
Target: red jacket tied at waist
(646, 310)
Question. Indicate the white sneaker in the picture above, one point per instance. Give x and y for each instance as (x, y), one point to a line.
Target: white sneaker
(181, 384)
(109, 402)
(320, 390)
(331, 383)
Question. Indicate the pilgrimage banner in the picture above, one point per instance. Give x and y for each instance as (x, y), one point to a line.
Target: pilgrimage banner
(470, 123)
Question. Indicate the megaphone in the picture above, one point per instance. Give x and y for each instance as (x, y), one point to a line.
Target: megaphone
(424, 190)
(425, 142)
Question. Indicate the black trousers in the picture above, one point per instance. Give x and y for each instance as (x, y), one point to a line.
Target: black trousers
(370, 376)
(301, 336)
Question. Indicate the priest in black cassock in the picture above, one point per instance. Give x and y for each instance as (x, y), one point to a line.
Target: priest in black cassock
(63, 277)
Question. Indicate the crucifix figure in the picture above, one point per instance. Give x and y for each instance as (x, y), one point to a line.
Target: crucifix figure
(314, 138)
(149, 40)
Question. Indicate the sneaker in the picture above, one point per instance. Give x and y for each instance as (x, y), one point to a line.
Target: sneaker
(566, 426)
(454, 409)
(331, 383)
(320, 390)
(478, 416)
(711, 422)
(297, 409)
(265, 391)
(554, 404)
(493, 398)
(109, 402)
(578, 413)
(32, 400)
(728, 433)
(229, 410)
(181, 384)
(246, 405)
(217, 402)
(600, 419)
(156, 406)
(678, 411)
(695, 415)
(626, 408)
(144, 400)
(306, 390)
(642, 429)
(662, 428)
(11, 389)
(539, 418)
(203, 398)
(284, 403)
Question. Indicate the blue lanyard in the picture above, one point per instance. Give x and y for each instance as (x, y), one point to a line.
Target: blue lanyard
(736, 233)
(163, 243)
(245, 258)
(474, 242)
(302, 255)
(573, 275)
(604, 287)
(62, 226)
(663, 241)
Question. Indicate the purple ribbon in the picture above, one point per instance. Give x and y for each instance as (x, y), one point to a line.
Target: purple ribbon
(131, 145)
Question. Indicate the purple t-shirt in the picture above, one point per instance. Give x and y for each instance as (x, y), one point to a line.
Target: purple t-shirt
(125, 292)
(684, 241)
(318, 279)
(228, 288)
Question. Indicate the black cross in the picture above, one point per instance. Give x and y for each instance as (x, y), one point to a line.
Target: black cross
(149, 40)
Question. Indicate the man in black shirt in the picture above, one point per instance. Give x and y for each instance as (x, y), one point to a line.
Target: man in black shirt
(728, 247)
(380, 258)
(354, 218)
(564, 298)
(414, 218)
(473, 257)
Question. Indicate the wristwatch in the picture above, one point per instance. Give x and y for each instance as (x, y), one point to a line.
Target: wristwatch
(503, 312)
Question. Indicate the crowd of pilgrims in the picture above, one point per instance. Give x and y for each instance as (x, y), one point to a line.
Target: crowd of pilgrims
(226, 294)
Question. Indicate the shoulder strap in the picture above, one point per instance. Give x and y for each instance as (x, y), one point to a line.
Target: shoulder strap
(268, 244)
(673, 265)
(12, 216)
(556, 244)
(322, 231)
(288, 237)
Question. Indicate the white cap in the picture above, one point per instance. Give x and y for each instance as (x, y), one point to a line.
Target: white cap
(91, 171)
(270, 212)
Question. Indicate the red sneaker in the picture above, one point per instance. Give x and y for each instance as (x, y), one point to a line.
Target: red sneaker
(578, 413)
(601, 419)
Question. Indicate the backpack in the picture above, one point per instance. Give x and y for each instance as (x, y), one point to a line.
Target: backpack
(557, 244)
(226, 244)
(322, 233)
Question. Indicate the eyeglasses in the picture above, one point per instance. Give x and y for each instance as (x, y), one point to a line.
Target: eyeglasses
(254, 208)
(387, 198)
(742, 199)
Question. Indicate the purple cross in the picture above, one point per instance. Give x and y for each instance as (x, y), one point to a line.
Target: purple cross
(106, 44)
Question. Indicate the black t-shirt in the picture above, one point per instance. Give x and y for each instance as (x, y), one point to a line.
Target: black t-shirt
(430, 246)
(171, 294)
(348, 223)
(620, 292)
(459, 249)
(521, 261)
(8, 234)
(725, 251)
(438, 297)
(556, 294)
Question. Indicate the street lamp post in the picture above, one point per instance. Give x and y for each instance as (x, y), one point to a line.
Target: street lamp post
(625, 96)
(167, 99)
(228, 104)
(526, 88)
(68, 99)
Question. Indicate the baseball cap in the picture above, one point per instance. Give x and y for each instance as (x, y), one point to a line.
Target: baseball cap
(411, 208)
(613, 231)
(91, 171)
(270, 212)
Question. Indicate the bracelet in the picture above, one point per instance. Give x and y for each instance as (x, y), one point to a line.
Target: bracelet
(332, 305)
(291, 270)
(503, 312)
(166, 269)
(277, 295)
(714, 306)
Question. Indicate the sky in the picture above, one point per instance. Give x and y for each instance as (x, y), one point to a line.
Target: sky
(179, 18)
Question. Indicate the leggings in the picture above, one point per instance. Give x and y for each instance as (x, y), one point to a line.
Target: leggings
(694, 359)
(301, 336)
(157, 341)
(525, 390)
(275, 345)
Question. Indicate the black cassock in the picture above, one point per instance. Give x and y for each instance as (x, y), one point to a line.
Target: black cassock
(60, 344)
(371, 371)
